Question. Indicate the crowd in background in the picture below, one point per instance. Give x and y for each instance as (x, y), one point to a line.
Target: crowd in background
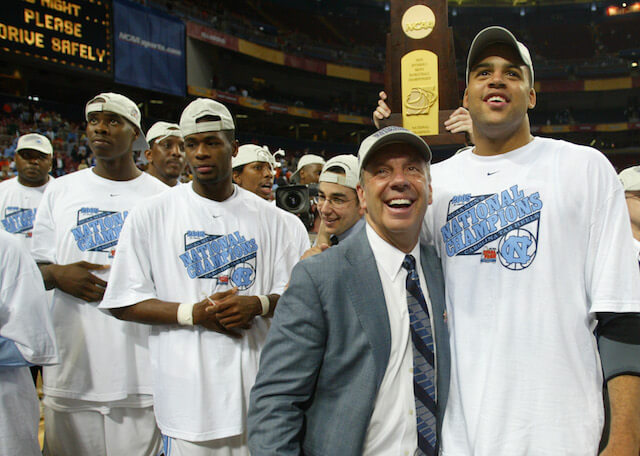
(71, 150)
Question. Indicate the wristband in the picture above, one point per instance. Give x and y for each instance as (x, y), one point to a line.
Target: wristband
(185, 314)
(266, 304)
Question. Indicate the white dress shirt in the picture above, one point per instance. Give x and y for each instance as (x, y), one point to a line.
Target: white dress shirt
(392, 429)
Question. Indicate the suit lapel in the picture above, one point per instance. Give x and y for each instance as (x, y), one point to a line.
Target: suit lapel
(367, 298)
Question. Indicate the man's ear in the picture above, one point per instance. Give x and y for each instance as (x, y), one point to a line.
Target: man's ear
(465, 100)
(235, 176)
(532, 98)
(235, 146)
(361, 198)
(148, 155)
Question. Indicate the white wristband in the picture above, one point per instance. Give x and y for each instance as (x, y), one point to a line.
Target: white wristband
(266, 304)
(185, 314)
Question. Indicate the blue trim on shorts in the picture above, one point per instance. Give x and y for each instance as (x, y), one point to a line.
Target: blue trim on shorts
(166, 444)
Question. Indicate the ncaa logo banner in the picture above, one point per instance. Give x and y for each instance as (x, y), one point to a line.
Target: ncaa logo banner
(228, 258)
(501, 226)
(149, 48)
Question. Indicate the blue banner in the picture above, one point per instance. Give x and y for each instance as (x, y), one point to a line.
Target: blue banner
(149, 48)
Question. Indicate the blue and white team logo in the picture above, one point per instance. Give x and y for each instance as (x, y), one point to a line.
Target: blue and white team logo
(228, 258)
(18, 220)
(98, 230)
(517, 249)
(503, 225)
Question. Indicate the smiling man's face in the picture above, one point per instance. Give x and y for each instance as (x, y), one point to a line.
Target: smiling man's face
(499, 92)
(395, 193)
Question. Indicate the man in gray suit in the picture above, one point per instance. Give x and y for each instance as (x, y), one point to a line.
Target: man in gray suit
(349, 365)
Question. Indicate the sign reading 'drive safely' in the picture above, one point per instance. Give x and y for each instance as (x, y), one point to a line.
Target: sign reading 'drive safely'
(72, 33)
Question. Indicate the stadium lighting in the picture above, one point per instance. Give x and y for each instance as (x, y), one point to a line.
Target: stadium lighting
(634, 64)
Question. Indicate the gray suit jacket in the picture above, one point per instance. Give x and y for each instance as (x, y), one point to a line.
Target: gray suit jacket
(327, 351)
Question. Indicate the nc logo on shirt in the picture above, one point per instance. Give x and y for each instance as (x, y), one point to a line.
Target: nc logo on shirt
(18, 220)
(503, 225)
(97, 230)
(229, 258)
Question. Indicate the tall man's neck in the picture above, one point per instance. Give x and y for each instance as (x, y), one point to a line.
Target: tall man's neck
(120, 169)
(493, 142)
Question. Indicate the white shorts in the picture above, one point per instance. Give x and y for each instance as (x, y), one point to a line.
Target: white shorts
(122, 431)
(229, 446)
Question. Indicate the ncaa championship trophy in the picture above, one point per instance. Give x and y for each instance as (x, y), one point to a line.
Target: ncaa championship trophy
(420, 76)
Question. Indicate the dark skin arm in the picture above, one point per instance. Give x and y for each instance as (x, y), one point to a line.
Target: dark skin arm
(221, 312)
(158, 312)
(624, 398)
(75, 279)
(237, 311)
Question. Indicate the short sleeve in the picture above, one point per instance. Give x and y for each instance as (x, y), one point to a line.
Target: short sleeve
(611, 269)
(289, 255)
(43, 246)
(131, 280)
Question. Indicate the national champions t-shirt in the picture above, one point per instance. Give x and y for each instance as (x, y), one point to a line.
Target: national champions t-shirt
(202, 378)
(18, 206)
(533, 243)
(80, 217)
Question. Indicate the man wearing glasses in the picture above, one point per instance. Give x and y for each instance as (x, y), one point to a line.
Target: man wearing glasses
(337, 202)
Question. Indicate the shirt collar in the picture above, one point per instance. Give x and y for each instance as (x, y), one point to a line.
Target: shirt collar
(388, 257)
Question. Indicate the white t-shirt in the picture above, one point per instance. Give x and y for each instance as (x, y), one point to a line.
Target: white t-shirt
(202, 378)
(18, 206)
(24, 319)
(532, 244)
(299, 231)
(102, 358)
(300, 237)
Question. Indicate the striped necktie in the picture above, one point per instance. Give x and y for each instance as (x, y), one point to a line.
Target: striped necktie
(423, 361)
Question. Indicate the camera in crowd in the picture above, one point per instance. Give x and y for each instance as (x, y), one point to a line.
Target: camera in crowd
(297, 199)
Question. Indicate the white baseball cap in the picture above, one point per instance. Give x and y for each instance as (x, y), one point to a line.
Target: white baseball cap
(162, 130)
(309, 159)
(121, 105)
(497, 34)
(34, 141)
(391, 135)
(349, 164)
(249, 153)
(203, 107)
(630, 179)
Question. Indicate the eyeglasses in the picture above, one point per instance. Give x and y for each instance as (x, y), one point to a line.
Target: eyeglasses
(333, 202)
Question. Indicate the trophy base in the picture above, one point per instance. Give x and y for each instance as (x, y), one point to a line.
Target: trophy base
(444, 138)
